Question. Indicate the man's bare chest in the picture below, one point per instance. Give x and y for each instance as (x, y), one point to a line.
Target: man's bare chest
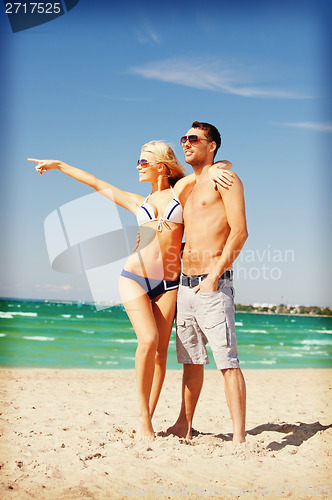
(202, 201)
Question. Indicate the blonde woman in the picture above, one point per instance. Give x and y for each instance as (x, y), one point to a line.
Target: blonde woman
(149, 281)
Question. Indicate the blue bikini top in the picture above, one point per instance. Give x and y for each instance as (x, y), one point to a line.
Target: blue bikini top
(173, 213)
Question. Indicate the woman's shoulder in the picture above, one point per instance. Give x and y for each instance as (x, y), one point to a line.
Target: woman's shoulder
(183, 184)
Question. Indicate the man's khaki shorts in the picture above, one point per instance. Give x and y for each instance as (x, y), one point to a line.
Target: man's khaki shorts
(203, 318)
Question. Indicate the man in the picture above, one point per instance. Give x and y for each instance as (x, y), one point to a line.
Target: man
(215, 232)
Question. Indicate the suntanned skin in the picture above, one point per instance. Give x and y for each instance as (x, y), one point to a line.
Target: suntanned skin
(215, 232)
(158, 257)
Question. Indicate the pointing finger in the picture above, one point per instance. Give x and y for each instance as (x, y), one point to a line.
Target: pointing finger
(34, 160)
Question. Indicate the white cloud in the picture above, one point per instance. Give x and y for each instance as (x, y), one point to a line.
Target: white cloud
(146, 35)
(154, 36)
(318, 126)
(209, 76)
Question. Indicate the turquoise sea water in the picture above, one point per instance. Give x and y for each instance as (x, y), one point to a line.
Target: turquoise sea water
(73, 335)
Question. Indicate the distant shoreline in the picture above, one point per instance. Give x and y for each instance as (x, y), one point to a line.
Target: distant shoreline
(254, 311)
(284, 314)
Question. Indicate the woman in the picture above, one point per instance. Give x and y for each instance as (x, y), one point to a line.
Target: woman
(148, 284)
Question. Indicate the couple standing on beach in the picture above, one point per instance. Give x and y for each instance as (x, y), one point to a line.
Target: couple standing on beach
(210, 206)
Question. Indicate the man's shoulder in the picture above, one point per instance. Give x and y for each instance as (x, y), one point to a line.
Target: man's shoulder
(236, 184)
(235, 176)
(231, 192)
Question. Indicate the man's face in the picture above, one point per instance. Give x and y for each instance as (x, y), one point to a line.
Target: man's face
(199, 153)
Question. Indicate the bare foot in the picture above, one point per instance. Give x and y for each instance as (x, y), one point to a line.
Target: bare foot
(238, 440)
(180, 430)
(145, 431)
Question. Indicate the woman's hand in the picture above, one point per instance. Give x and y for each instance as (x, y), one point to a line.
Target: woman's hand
(220, 174)
(45, 165)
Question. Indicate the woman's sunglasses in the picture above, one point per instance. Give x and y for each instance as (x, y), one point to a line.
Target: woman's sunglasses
(143, 163)
(193, 139)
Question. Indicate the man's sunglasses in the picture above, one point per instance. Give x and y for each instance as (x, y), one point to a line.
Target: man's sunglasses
(193, 139)
(143, 163)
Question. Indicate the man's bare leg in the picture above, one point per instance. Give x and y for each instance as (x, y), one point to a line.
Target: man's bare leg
(235, 390)
(192, 383)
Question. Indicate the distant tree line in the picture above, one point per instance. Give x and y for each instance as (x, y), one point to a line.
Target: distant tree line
(284, 309)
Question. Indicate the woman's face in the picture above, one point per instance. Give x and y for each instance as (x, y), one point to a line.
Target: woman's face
(148, 172)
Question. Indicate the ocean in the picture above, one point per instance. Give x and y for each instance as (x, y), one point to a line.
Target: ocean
(74, 335)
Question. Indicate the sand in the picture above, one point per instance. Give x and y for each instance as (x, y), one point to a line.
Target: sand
(68, 434)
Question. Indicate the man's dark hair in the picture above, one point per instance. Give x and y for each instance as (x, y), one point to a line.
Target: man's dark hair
(211, 132)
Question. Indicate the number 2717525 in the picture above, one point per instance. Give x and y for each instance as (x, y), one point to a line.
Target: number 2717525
(33, 8)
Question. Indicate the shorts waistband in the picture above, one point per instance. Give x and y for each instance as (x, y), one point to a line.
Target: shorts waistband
(193, 281)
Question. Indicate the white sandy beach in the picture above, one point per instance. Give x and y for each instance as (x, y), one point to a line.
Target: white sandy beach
(68, 434)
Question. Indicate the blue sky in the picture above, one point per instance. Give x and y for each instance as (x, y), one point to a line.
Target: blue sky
(94, 85)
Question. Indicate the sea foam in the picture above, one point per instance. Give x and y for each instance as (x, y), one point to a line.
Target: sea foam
(41, 339)
(11, 314)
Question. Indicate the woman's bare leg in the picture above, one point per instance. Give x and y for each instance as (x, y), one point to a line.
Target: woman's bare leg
(164, 311)
(139, 309)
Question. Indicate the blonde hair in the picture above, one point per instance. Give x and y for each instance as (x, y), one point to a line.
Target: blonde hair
(165, 154)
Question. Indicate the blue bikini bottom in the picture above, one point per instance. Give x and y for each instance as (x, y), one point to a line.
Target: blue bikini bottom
(152, 287)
